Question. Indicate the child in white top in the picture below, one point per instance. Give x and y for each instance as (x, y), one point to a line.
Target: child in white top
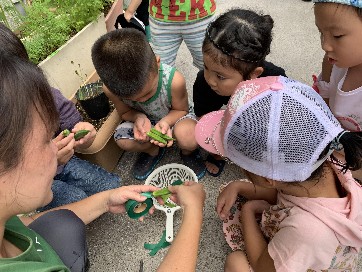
(305, 198)
(340, 83)
(146, 93)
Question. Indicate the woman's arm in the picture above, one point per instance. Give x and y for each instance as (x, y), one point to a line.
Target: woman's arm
(182, 255)
(112, 201)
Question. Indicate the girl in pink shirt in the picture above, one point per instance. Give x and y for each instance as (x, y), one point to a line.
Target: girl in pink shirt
(304, 209)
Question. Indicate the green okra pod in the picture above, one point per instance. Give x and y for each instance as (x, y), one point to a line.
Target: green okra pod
(164, 136)
(166, 191)
(161, 192)
(66, 132)
(165, 194)
(156, 137)
(80, 134)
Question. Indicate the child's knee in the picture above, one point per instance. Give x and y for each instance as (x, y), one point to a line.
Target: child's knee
(236, 262)
(125, 144)
(184, 133)
(131, 145)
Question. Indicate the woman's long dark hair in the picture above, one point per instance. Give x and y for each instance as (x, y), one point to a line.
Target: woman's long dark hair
(23, 89)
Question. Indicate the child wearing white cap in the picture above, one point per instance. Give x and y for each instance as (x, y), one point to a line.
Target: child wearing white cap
(305, 209)
(340, 82)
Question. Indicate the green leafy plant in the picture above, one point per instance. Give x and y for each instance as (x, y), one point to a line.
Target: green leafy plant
(48, 24)
(9, 14)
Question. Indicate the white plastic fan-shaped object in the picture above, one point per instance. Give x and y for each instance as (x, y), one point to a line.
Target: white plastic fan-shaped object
(163, 177)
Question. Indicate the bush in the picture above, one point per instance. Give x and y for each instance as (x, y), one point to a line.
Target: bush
(50, 23)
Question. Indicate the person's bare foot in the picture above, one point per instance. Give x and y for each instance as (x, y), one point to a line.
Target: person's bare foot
(214, 164)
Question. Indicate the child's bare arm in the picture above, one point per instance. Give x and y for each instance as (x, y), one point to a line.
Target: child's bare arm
(228, 196)
(255, 244)
(179, 98)
(141, 122)
(131, 9)
(125, 112)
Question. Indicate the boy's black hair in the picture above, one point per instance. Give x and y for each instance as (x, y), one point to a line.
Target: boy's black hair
(239, 39)
(124, 61)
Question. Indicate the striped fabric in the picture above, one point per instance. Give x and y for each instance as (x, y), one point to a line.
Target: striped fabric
(166, 39)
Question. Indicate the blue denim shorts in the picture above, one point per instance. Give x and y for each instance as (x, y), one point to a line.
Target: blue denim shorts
(78, 180)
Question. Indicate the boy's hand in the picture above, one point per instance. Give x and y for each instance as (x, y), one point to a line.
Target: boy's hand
(189, 195)
(141, 126)
(65, 147)
(164, 128)
(88, 139)
(226, 200)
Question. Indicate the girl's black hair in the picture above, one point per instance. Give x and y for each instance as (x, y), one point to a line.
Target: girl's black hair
(239, 39)
(357, 9)
(352, 147)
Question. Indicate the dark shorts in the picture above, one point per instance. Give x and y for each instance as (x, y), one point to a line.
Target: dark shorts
(65, 233)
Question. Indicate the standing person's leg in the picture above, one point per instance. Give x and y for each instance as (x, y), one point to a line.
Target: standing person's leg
(88, 177)
(143, 15)
(194, 34)
(65, 233)
(166, 40)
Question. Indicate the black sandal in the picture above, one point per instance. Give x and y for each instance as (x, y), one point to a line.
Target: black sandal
(145, 164)
(218, 163)
(194, 161)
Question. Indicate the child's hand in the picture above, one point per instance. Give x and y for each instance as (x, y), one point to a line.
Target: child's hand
(255, 207)
(88, 139)
(141, 126)
(191, 194)
(65, 147)
(128, 15)
(164, 128)
(226, 200)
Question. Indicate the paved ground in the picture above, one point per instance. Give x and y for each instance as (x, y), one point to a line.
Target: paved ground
(115, 241)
